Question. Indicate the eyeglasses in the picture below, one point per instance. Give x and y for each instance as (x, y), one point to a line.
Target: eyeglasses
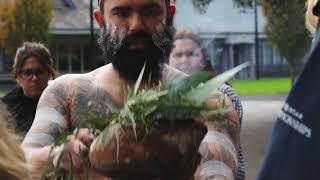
(28, 73)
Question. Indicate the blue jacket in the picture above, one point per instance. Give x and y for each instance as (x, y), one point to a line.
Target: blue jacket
(294, 146)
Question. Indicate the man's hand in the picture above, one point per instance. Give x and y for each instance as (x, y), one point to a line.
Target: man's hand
(77, 146)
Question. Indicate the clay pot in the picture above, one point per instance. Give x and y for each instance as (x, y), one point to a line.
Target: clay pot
(170, 152)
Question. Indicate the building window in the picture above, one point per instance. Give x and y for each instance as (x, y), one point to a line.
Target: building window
(75, 58)
(68, 58)
(268, 54)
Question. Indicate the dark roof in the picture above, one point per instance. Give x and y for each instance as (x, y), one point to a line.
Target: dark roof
(69, 3)
(72, 16)
(64, 3)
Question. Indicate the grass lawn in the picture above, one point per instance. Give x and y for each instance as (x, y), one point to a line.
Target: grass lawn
(2, 93)
(262, 86)
(252, 87)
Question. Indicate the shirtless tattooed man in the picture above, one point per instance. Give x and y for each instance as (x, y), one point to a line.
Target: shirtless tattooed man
(134, 32)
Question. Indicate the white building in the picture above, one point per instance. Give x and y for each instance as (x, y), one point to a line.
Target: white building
(228, 32)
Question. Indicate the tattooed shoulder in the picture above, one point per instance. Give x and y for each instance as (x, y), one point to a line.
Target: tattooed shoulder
(83, 96)
(55, 93)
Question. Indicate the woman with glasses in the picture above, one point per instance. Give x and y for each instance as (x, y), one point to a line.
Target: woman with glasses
(188, 57)
(32, 69)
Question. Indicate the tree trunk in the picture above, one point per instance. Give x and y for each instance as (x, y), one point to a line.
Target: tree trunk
(294, 70)
(292, 75)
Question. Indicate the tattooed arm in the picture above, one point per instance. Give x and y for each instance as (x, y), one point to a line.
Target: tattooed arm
(51, 121)
(219, 147)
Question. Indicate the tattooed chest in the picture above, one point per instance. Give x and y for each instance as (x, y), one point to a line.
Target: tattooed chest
(90, 103)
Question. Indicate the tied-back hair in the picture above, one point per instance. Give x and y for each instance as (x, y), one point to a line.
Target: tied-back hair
(188, 34)
(311, 19)
(13, 165)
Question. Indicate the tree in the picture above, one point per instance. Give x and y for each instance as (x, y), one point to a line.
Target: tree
(24, 20)
(286, 31)
(6, 18)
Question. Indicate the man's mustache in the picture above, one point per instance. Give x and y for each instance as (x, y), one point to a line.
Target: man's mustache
(138, 37)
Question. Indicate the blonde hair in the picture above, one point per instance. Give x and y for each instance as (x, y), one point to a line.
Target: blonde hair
(311, 19)
(13, 165)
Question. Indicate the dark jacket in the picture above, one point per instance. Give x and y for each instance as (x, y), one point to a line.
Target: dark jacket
(22, 108)
(294, 146)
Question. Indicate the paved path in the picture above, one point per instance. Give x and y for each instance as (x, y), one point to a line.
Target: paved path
(260, 113)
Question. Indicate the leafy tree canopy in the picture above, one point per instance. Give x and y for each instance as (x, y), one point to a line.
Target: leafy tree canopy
(24, 20)
(286, 31)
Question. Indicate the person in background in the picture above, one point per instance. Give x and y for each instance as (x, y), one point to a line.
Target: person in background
(13, 165)
(188, 57)
(32, 69)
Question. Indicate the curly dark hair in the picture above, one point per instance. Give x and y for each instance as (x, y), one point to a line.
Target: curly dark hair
(32, 49)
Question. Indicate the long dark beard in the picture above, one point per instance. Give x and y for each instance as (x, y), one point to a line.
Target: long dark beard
(130, 62)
